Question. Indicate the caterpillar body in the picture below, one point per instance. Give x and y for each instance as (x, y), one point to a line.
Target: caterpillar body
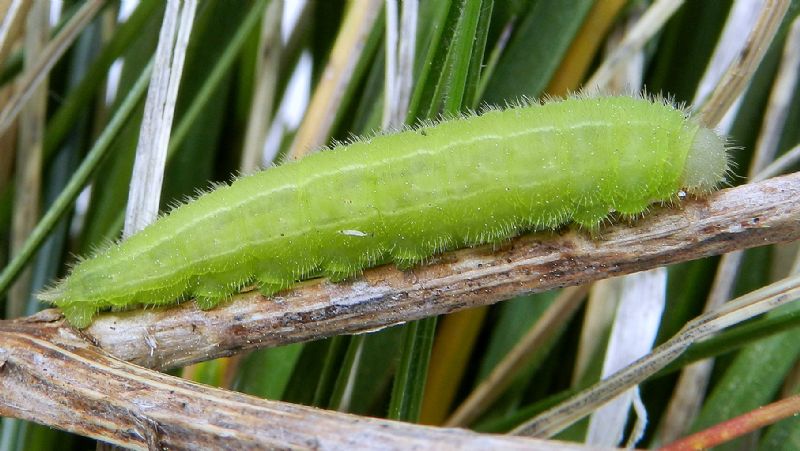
(403, 197)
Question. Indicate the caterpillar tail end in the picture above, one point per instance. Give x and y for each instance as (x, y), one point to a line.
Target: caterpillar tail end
(707, 163)
(51, 295)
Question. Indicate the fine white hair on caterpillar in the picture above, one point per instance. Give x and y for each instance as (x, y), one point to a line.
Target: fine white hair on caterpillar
(405, 196)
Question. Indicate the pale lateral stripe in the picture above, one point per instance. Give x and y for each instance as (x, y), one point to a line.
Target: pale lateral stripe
(324, 174)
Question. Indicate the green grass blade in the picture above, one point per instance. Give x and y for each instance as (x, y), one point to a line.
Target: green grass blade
(751, 380)
(409, 384)
(535, 50)
(266, 373)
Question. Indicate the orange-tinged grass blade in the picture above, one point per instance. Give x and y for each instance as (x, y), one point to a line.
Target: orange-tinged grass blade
(738, 426)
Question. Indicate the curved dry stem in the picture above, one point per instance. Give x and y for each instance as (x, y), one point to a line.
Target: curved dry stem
(54, 377)
(741, 309)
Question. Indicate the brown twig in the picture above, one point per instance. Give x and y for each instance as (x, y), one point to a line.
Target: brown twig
(738, 218)
(54, 377)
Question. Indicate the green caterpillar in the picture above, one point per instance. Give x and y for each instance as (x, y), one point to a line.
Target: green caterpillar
(403, 197)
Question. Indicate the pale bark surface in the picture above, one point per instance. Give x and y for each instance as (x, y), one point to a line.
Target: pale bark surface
(53, 376)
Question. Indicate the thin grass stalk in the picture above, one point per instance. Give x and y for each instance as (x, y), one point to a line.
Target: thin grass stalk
(741, 309)
(267, 70)
(49, 56)
(315, 129)
(28, 179)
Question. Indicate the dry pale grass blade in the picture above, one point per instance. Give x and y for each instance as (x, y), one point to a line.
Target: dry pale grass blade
(741, 309)
(151, 150)
(690, 389)
(627, 76)
(407, 53)
(651, 23)
(561, 311)
(635, 327)
(50, 55)
(780, 102)
(600, 307)
(742, 15)
(266, 75)
(400, 46)
(741, 71)
(28, 179)
(737, 218)
(13, 13)
(781, 165)
(348, 48)
(581, 52)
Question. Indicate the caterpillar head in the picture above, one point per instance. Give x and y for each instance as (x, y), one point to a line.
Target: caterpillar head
(707, 163)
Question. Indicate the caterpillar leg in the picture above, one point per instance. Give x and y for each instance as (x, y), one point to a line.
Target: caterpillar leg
(211, 289)
(268, 285)
(591, 217)
(204, 302)
(338, 271)
(79, 314)
(273, 276)
(407, 258)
